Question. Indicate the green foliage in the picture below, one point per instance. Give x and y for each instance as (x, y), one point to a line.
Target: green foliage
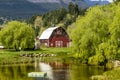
(54, 17)
(17, 35)
(73, 9)
(113, 74)
(109, 75)
(97, 59)
(66, 17)
(32, 19)
(60, 17)
(116, 1)
(97, 34)
(37, 25)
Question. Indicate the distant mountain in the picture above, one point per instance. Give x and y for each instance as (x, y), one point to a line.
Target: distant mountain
(27, 8)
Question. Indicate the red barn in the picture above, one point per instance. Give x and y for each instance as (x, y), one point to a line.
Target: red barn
(55, 37)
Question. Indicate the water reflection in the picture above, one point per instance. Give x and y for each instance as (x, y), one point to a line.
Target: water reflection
(47, 68)
(55, 71)
(84, 72)
(15, 72)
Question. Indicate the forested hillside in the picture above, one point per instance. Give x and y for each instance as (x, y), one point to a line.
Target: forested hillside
(27, 8)
(62, 17)
(24, 9)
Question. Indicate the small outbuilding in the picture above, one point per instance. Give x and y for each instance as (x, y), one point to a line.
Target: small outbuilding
(55, 37)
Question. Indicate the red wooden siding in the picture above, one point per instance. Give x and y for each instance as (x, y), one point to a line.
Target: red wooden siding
(58, 38)
(60, 41)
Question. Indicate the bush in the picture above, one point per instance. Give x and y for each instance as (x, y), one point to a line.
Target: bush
(96, 60)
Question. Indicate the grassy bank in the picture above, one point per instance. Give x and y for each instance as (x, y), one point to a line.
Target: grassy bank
(13, 57)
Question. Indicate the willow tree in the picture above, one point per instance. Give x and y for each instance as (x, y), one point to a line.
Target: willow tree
(17, 35)
(96, 36)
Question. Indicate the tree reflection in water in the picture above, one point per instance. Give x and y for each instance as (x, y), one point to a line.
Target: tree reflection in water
(15, 72)
(55, 71)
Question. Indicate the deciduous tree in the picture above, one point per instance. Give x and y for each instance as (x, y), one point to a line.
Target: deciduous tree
(17, 35)
(98, 34)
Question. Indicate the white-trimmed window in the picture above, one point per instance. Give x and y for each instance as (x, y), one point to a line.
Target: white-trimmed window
(59, 43)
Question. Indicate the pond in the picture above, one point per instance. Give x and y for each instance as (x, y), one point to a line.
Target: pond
(56, 70)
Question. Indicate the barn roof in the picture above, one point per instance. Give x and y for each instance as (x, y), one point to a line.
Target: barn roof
(47, 33)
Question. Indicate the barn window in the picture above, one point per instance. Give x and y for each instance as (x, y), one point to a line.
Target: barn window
(51, 44)
(59, 32)
(68, 44)
(59, 43)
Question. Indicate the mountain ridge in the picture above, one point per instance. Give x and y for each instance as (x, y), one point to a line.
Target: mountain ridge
(27, 8)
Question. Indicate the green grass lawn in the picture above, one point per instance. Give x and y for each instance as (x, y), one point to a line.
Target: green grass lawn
(42, 50)
(12, 56)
